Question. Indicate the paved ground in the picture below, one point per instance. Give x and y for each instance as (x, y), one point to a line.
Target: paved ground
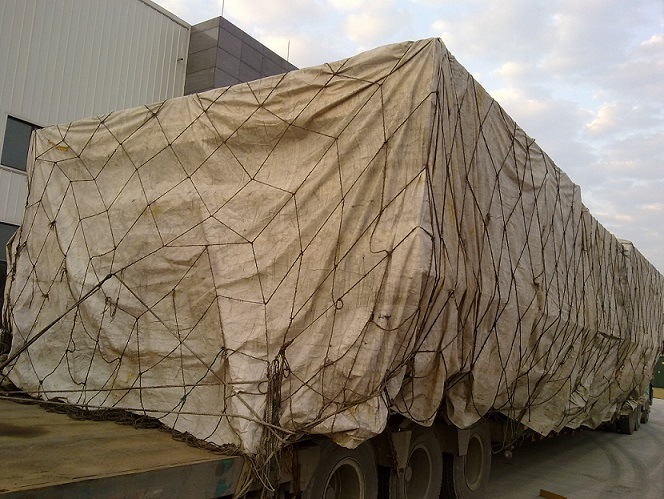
(590, 464)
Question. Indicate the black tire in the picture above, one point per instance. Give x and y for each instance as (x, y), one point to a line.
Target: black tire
(645, 413)
(611, 426)
(344, 473)
(627, 424)
(423, 476)
(467, 477)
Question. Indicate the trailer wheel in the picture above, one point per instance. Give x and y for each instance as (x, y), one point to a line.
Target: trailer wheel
(422, 478)
(645, 413)
(342, 473)
(467, 477)
(637, 418)
(627, 424)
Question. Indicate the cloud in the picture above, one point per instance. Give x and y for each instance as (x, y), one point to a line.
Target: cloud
(605, 119)
(300, 30)
(638, 156)
(616, 120)
(348, 5)
(656, 208)
(584, 78)
(554, 122)
(639, 75)
(652, 45)
(493, 31)
(269, 18)
(374, 24)
(632, 209)
(623, 118)
(192, 11)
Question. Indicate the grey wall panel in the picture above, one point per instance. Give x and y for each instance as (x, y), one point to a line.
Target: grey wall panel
(229, 63)
(251, 57)
(239, 57)
(230, 42)
(71, 58)
(223, 79)
(67, 59)
(13, 191)
(201, 60)
(203, 79)
(247, 73)
(203, 40)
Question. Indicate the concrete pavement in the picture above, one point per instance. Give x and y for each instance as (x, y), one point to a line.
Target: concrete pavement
(589, 464)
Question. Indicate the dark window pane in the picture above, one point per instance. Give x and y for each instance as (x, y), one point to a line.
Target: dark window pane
(5, 338)
(16, 144)
(6, 231)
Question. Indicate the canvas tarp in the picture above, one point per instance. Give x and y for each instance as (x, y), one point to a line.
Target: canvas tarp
(311, 252)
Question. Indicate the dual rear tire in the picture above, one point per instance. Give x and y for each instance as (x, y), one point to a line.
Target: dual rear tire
(423, 474)
(631, 422)
(467, 477)
(645, 412)
(344, 473)
(429, 473)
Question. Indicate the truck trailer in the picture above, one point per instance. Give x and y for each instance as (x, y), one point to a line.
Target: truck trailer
(350, 280)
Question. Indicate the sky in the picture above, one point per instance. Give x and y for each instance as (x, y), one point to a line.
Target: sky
(585, 78)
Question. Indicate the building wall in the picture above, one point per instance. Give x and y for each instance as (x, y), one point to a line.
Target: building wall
(62, 60)
(221, 54)
(67, 59)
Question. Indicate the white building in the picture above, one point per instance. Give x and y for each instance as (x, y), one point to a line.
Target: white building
(62, 60)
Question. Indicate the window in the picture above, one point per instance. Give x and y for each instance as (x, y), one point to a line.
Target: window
(6, 232)
(16, 144)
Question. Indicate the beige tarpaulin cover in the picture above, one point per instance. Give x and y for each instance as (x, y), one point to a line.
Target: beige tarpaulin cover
(310, 252)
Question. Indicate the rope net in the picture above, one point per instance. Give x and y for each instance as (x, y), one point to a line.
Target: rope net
(312, 252)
